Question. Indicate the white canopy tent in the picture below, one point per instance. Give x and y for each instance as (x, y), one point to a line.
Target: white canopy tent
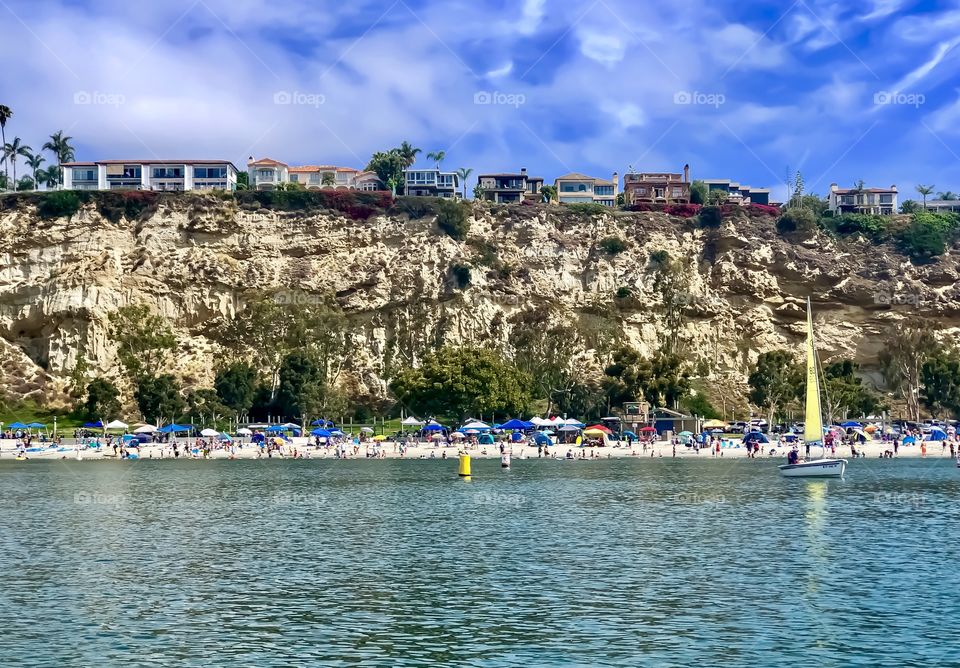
(145, 429)
(412, 422)
(116, 424)
(243, 431)
(209, 432)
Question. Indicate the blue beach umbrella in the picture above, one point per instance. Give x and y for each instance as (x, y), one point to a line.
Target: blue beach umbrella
(851, 424)
(434, 427)
(320, 432)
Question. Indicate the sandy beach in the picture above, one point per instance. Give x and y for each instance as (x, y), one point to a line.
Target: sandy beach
(391, 450)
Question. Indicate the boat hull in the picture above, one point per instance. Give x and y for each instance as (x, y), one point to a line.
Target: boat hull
(818, 468)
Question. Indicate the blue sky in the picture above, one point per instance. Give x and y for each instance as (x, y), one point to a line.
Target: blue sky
(741, 90)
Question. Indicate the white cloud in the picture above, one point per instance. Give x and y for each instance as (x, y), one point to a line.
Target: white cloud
(946, 119)
(628, 114)
(739, 47)
(603, 48)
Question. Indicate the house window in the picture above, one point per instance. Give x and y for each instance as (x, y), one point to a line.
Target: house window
(603, 190)
(168, 172)
(294, 178)
(677, 192)
(886, 199)
(84, 174)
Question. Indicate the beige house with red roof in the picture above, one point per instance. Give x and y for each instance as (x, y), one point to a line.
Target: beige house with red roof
(575, 188)
(267, 173)
(866, 200)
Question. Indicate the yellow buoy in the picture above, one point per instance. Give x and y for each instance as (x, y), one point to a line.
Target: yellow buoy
(464, 465)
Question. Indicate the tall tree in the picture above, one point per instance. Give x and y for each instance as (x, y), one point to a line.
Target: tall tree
(60, 146)
(461, 382)
(844, 394)
(776, 380)
(12, 150)
(5, 115)
(408, 153)
(907, 347)
(662, 380)
(388, 166)
(159, 398)
(437, 156)
(548, 193)
(34, 162)
(464, 173)
(924, 191)
(144, 340)
(328, 179)
(236, 385)
(940, 375)
(103, 400)
(698, 192)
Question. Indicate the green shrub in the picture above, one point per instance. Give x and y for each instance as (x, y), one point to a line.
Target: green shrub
(613, 245)
(60, 203)
(922, 242)
(796, 220)
(624, 292)
(588, 208)
(453, 218)
(872, 226)
(659, 256)
(710, 216)
(461, 273)
(415, 207)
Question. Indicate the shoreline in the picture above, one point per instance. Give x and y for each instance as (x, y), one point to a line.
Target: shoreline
(420, 451)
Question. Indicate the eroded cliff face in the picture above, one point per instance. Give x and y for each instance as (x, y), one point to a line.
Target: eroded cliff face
(740, 288)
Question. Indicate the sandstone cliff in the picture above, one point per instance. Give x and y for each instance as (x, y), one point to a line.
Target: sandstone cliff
(193, 258)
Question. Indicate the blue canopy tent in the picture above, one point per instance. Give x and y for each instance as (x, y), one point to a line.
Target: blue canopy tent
(322, 423)
(90, 425)
(937, 435)
(516, 424)
(173, 428)
(542, 439)
(256, 438)
(434, 427)
(17, 425)
(277, 427)
(36, 425)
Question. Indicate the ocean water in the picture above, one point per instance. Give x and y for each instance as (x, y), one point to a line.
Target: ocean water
(553, 563)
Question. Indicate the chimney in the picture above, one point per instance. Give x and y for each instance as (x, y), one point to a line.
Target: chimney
(833, 186)
(894, 187)
(523, 171)
(616, 184)
(686, 173)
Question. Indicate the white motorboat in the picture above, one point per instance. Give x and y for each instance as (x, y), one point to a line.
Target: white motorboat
(813, 424)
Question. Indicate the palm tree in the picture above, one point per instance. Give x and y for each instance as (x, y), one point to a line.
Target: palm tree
(464, 173)
(34, 162)
(5, 114)
(60, 147)
(925, 190)
(48, 177)
(12, 149)
(549, 193)
(438, 156)
(408, 153)
(949, 195)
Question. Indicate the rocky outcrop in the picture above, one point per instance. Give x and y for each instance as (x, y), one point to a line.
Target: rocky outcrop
(195, 258)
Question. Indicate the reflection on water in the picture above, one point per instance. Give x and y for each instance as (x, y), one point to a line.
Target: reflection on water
(387, 563)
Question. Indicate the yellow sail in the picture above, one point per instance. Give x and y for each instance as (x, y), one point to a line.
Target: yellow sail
(813, 424)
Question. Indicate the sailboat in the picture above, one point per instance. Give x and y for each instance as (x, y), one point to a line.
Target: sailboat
(813, 424)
